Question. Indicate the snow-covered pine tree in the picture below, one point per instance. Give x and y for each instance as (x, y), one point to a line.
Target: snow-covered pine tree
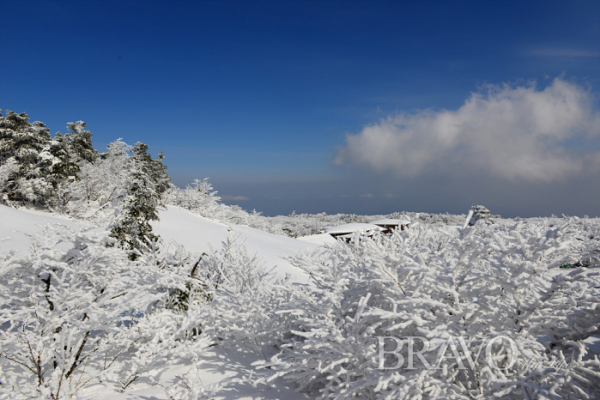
(39, 169)
(79, 143)
(155, 170)
(24, 148)
(159, 175)
(132, 227)
(60, 171)
(75, 152)
(147, 181)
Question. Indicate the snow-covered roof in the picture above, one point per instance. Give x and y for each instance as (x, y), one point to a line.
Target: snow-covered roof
(389, 221)
(350, 228)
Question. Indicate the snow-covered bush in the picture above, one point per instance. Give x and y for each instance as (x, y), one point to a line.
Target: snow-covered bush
(487, 301)
(199, 197)
(238, 299)
(167, 333)
(77, 311)
(71, 298)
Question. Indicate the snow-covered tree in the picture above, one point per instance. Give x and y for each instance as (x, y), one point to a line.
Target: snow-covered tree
(79, 143)
(25, 145)
(153, 169)
(103, 183)
(146, 182)
(46, 166)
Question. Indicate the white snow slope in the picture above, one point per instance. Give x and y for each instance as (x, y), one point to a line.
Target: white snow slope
(197, 234)
(16, 227)
(177, 225)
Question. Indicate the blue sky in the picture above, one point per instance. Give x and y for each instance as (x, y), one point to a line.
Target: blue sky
(260, 95)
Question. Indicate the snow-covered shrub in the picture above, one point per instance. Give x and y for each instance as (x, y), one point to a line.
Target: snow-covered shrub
(224, 297)
(76, 311)
(589, 236)
(488, 301)
(239, 299)
(199, 197)
(102, 184)
(166, 333)
(434, 219)
(71, 298)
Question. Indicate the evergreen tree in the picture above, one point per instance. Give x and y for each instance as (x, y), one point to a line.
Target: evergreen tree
(60, 172)
(79, 142)
(72, 151)
(154, 169)
(36, 168)
(147, 182)
(24, 147)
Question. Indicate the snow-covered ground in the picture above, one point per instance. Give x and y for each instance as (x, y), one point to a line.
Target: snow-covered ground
(16, 226)
(224, 373)
(320, 238)
(178, 226)
(197, 234)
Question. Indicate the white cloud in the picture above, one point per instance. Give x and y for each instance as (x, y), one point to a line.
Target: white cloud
(504, 131)
(367, 196)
